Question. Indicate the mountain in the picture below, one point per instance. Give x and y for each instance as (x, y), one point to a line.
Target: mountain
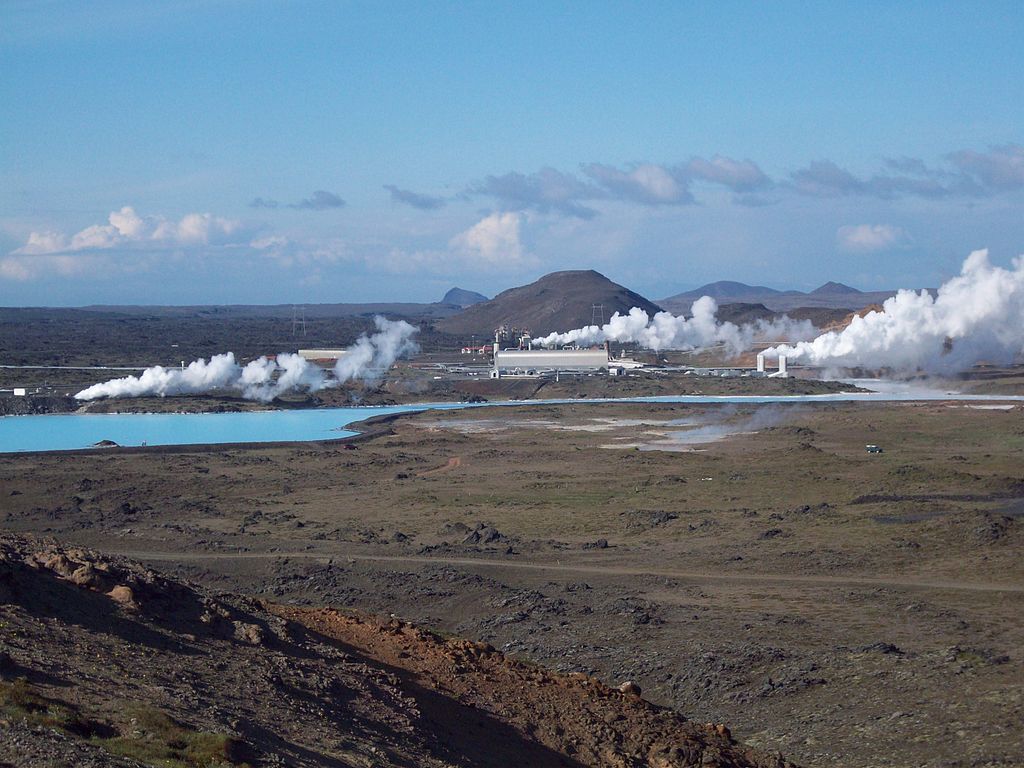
(831, 295)
(559, 301)
(834, 289)
(730, 289)
(460, 297)
(744, 313)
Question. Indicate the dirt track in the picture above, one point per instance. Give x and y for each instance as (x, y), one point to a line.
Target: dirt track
(606, 570)
(453, 463)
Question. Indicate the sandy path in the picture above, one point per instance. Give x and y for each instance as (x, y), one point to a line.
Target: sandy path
(453, 463)
(599, 570)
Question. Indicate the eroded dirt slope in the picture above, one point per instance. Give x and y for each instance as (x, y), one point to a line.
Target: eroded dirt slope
(104, 662)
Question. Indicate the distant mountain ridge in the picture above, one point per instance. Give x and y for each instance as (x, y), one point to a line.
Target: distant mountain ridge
(408, 310)
(558, 301)
(831, 295)
(834, 289)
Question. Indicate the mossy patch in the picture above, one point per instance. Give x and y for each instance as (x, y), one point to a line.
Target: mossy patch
(146, 734)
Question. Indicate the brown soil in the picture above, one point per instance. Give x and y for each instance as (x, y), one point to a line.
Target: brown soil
(310, 687)
(575, 715)
(453, 463)
(841, 607)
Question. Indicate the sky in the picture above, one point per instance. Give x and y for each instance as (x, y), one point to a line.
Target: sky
(234, 151)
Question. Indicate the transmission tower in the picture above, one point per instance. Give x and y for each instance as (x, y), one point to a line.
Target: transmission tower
(597, 312)
(298, 321)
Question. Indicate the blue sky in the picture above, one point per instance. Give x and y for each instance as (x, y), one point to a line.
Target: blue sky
(251, 152)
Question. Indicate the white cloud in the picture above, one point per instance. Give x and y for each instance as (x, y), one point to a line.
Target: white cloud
(739, 175)
(492, 242)
(126, 228)
(43, 242)
(14, 269)
(128, 223)
(23, 268)
(867, 238)
(50, 254)
(648, 183)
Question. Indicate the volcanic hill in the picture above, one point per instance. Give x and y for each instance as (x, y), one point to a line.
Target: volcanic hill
(559, 301)
(460, 297)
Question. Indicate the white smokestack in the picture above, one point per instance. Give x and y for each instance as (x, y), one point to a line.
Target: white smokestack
(760, 362)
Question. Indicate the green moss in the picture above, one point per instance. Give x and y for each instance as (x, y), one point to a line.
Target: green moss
(18, 699)
(153, 737)
(148, 735)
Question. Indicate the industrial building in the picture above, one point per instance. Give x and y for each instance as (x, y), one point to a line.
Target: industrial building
(534, 362)
(322, 355)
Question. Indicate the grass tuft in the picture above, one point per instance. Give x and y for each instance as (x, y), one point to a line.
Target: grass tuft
(150, 736)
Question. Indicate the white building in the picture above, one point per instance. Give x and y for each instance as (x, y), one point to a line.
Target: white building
(322, 355)
(533, 362)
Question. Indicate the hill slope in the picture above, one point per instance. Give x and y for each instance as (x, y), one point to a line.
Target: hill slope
(556, 302)
(104, 659)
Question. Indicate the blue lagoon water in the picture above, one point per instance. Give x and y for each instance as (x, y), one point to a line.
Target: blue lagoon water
(64, 432)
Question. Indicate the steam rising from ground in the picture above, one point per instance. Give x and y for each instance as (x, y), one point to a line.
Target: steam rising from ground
(667, 331)
(264, 379)
(976, 316)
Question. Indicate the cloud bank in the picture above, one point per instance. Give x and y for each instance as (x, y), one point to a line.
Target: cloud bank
(126, 227)
(964, 174)
(48, 253)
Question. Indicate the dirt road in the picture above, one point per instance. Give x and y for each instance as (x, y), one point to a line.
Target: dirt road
(606, 570)
(453, 463)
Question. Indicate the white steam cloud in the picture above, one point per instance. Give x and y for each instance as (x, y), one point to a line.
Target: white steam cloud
(371, 354)
(976, 316)
(265, 379)
(667, 331)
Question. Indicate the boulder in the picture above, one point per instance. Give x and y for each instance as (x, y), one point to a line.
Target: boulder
(629, 688)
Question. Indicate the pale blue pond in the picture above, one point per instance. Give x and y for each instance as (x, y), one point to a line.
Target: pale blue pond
(63, 432)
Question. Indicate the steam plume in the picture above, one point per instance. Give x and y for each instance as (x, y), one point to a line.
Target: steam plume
(264, 379)
(977, 315)
(667, 331)
(371, 354)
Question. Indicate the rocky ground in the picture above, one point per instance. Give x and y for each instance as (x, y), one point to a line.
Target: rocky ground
(107, 663)
(841, 607)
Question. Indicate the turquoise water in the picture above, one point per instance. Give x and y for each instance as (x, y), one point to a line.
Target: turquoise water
(63, 432)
